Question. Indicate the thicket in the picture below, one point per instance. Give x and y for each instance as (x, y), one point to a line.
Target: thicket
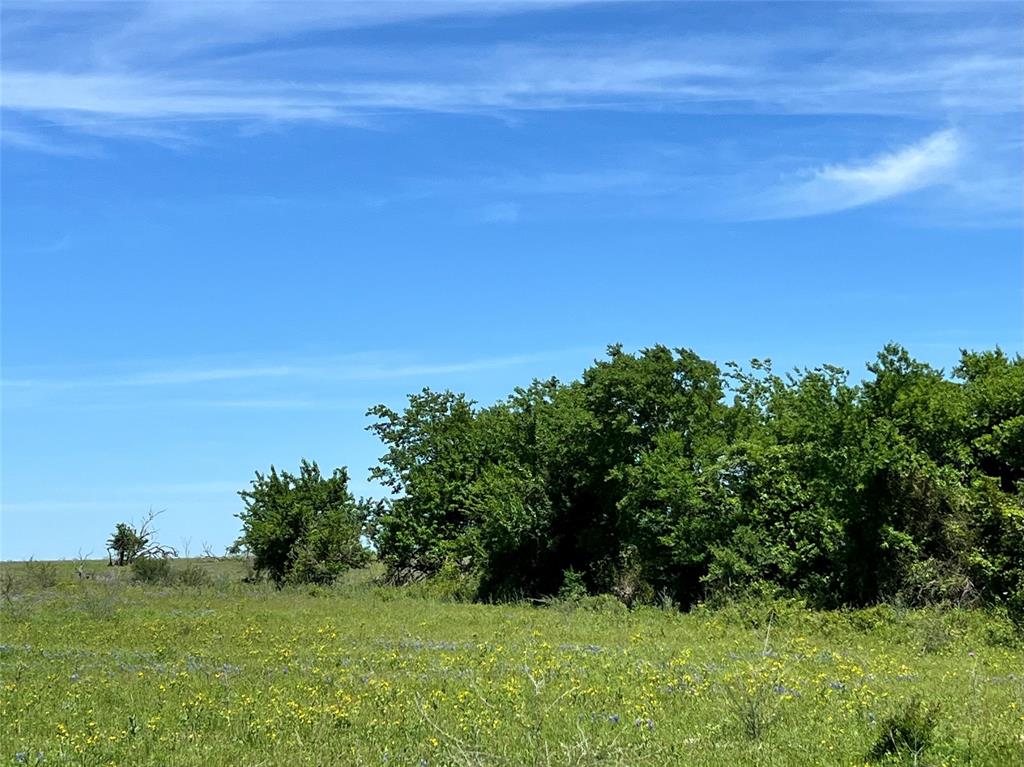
(661, 476)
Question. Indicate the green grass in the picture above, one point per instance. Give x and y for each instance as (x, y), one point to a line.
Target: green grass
(97, 672)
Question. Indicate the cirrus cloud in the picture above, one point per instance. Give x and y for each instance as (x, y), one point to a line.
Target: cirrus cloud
(832, 188)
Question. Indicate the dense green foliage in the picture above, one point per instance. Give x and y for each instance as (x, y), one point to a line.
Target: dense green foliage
(659, 475)
(304, 528)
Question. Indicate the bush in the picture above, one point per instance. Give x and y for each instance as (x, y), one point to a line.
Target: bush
(42, 575)
(907, 731)
(1000, 631)
(753, 706)
(449, 584)
(162, 572)
(602, 603)
(302, 528)
(869, 619)
(149, 570)
(935, 631)
(191, 575)
(573, 588)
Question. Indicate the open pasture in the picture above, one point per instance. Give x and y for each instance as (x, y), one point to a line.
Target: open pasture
(113, 673)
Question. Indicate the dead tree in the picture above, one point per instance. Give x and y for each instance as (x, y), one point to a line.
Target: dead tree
(130, 543)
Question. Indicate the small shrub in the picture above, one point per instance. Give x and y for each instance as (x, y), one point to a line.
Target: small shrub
(666, 602)
(935, 632)
(449, 584)
(1000, 630)
(753, 706)
(630, 586)
(757, 613)
(724, 598)
(146, 570)
(933, 582)
(8, 586)
(869, 619)
(42, 575)
(907, 731)
(191, 575)
(607, 604)
(573, 588)
(100, 601)
(12, 603)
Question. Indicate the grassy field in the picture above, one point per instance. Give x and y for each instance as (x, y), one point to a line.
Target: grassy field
(106, 672)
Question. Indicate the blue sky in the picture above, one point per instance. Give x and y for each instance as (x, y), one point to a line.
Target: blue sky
(230, 228)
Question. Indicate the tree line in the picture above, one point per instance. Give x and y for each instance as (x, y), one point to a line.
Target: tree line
(661, 475)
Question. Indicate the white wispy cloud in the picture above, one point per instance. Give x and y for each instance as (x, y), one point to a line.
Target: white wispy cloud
(37, 141)
(518, 79)
(200, 26)
(932, 160)
(73, 98)
(138, 69)
(323, 370)
(162, 72)
(168, 377)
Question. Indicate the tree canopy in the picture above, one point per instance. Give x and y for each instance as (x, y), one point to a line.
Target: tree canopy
(661, 474)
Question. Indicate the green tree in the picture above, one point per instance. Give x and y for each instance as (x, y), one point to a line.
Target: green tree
(661, 426)
(515, 501)
(993, 386)
(784, 480)
(303, 528)
(434, 455)
(126, 543)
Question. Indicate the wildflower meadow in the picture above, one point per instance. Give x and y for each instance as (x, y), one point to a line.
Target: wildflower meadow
(102, 671)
